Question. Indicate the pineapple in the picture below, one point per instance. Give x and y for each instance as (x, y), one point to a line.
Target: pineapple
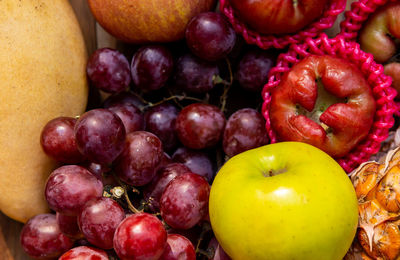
(377, 186)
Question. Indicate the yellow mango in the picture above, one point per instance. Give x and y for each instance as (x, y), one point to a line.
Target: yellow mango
(42, 76)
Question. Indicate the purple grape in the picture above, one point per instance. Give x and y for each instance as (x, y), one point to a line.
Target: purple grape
(98, 221)
(58, 140)
(151, 67)
(100, 135)
(69, 187)
(195, 75)
(123, 98)
(184, 202)
(152, 192)
(219, 253)
(41, 238)
(244, 130)
(210, 36)
(160, 120)
(131, 117)
(197, 161)
(69, 226)
(138, 163)
(178, 247)
(200, 126)
(109, 70)
(252, 71)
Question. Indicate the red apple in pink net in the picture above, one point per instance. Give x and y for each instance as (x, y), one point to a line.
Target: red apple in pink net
(278, 16)
(393, 70)
(381, 32)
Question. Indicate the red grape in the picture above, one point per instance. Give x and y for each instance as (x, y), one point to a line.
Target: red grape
(69, 226)
(84, 253)
(210, 36)
(100, 135)
(160, 120)
(219, 253)
(151, 67)
(244, 130)
(200, 126)
(253, 69)
(109, 70)
(140, 236)
(131, 117)
(197, 161)
(178, 247)
(41, 238)
(165, 160)
(98, 220)
(138, 163)
(69, 187)
(195, 75)
(184, 202)
(152, 192)
(58, 140)
(123, 98)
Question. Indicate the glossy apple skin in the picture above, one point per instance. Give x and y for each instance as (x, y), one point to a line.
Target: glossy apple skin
(380, 31)
(323, 101)
(308, 210)
(147, 21)
(393, 70)
(278, 16)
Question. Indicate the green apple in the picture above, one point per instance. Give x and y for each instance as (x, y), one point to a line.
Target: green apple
(283, 201)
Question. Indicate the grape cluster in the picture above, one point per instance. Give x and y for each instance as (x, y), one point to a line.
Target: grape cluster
(136, 170)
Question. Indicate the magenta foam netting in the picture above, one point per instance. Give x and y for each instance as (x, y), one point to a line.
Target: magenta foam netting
(379, 82)
(354, 19)
(328, 18)
(356, 16)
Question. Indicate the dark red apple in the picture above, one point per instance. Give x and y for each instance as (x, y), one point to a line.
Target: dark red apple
(147, 21)
(393, 70)
(278, 16)
(324, 101)
(380, 33)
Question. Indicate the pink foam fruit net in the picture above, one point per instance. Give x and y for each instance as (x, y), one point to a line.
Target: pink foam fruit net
(379, 82)
(357, 15)
(354, 19)
(334, 8)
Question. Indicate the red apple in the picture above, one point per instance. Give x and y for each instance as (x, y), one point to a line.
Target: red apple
(393, 70)
(147, 21)
(278, 16)
(378, 35)
(323, 101)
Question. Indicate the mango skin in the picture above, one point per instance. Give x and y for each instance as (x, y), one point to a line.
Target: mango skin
(42, 71)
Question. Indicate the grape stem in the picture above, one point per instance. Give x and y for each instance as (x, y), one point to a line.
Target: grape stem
(206, 227)
(227, 86)
(174, 97)
(130, 205)
(126, 196)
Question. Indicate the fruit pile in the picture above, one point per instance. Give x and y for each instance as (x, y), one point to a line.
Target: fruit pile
(136, 171)
(139, 165)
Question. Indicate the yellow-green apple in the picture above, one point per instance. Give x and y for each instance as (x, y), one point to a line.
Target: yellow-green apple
(147, 21)
(393, 70)
(378, 35)
(283, 201)
(278, 16)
